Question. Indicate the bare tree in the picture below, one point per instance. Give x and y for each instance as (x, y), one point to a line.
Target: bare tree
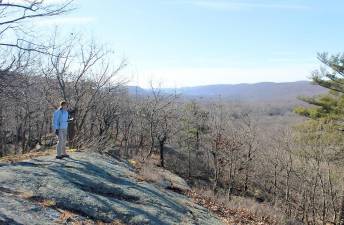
(14, 30)
(17, 39)
(249, 132)
(79, 73)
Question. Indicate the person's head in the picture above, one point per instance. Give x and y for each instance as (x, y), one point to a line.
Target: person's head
(63, 105)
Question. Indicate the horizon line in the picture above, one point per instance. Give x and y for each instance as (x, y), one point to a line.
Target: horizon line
(221, 84)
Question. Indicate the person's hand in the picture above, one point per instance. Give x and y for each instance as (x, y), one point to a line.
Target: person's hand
(57, 132)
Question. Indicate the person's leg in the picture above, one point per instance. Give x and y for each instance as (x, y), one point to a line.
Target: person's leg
(59, 144)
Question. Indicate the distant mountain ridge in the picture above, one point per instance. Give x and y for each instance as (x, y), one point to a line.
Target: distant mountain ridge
(265, 91)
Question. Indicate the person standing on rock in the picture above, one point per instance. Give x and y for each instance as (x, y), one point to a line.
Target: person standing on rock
(60, 122)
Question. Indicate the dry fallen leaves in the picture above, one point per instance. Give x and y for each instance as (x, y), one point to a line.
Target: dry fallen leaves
(229, 216)
(30, 155)
(26, 156)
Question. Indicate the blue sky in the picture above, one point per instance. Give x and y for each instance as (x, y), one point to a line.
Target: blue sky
(198, 42)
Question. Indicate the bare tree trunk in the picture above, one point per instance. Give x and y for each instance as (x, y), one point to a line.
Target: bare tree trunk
(216, 173)
(197, 140)
(323, 211)
(287, 193)
(161, 144)
(116, 130)
(332, 193)
(275, 183)
(313, 200)
(247, 167)
(151, 132)
(2, 134)
(71, 135)
(304, 204)
(189, 160)
(230, 179)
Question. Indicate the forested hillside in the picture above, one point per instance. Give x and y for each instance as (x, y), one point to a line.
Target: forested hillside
(259, 92)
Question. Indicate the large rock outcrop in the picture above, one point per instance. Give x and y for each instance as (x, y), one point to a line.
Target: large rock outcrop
(91, 187)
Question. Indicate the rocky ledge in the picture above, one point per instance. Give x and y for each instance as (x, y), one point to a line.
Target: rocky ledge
(90, 188)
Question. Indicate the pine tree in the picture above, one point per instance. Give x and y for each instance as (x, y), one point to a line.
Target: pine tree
(331, 77)
(326, 112)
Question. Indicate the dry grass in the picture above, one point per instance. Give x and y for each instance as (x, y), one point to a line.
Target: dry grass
(26, 156)
(48, 203)
(239, 210)
(66, 215)
(262, 210)
(30, 155)
(148, 173)
(147, 170)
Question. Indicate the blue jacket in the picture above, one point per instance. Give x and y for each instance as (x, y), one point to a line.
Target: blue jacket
(60, 120)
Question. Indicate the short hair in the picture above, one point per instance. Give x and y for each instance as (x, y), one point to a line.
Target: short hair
(62, 103)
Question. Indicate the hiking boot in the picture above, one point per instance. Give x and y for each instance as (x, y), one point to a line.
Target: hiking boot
(59, 157)
(65, 156)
